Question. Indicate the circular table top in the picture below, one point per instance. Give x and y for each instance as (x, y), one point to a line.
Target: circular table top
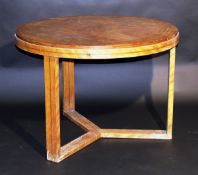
(97, 37)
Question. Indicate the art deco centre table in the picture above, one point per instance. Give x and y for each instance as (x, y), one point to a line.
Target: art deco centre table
(93, 37)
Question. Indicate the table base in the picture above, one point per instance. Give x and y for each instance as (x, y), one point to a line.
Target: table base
(56, 152)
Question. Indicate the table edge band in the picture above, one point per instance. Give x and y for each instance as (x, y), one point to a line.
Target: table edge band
(97, 53)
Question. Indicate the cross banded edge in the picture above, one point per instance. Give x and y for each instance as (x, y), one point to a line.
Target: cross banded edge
(102, 52)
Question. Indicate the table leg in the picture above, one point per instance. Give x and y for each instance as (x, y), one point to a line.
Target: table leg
(68, 85)
(52, 106)
(171, 92)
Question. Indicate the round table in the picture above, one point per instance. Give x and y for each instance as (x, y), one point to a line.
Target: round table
(93, 37)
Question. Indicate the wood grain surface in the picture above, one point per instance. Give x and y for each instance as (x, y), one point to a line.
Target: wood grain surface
(52, 106)
(97, 37)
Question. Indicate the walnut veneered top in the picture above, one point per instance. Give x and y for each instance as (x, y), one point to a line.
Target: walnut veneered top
(97, 36)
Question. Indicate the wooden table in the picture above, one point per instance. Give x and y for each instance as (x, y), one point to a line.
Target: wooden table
(93, 37)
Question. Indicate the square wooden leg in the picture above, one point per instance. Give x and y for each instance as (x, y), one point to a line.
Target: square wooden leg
(52, 106)
(68, 85)
(171, 92)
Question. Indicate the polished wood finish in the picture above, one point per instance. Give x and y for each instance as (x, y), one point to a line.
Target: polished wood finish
(81, 121)
(68, 85)
(93, 37)
(133, 133)
(51, 73)
(78, 144)
(97, 37)
(171, 92)
(89, 31)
